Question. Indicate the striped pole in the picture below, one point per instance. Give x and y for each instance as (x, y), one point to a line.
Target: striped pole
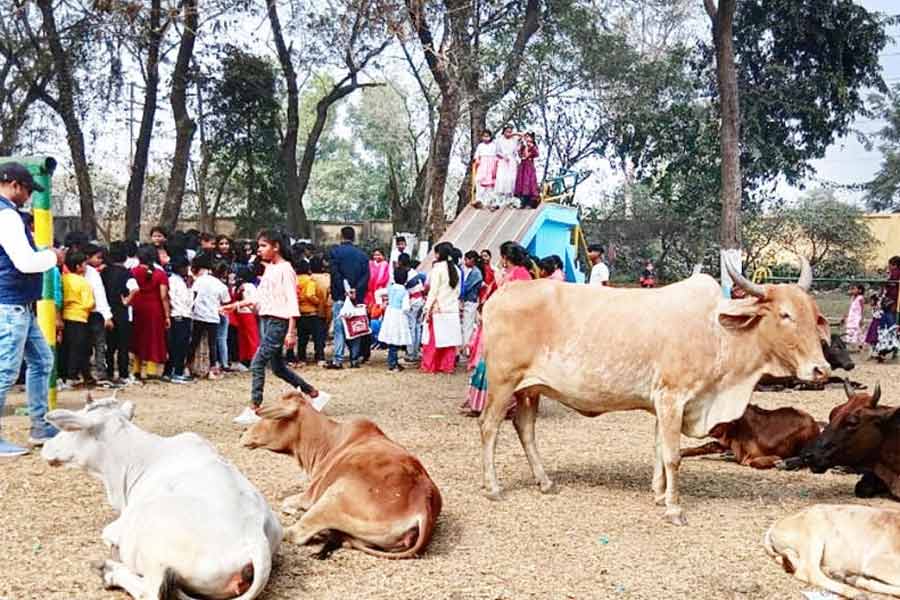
(42, 171)
(41, 168)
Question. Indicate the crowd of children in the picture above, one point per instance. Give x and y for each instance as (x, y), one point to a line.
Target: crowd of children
(504, 172)
(881, 336)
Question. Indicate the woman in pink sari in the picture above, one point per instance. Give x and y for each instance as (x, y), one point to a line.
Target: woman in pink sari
(379, 276)
(514, 259)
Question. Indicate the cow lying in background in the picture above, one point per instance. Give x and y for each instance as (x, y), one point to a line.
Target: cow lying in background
(189, 522)
(864, 437)
(843, 549)
(761, 438)
(838, 357)
(365, 491)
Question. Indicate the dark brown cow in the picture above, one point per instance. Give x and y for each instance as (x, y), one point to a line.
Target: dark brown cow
(365, 491)
(761, 438)
(864, 437)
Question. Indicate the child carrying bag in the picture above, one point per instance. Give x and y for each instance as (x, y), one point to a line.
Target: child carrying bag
(353, 317)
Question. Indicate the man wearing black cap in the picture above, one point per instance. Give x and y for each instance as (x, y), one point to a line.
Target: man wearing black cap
(21, 266)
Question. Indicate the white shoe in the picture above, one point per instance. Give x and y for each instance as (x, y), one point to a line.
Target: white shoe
(247, 417)
(239, 368)
(62, 386)
(320, 401)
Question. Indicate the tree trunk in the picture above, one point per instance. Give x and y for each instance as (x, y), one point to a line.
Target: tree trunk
(184, 125)
(441, 148)
(407, 216)
(135, 192)
(477, 124)
(296, 213)
(729, 137)
(66, 109)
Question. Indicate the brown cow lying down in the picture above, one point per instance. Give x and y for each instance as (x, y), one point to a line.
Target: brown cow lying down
(844, 549)
(365, 491)
(761, 438)
(864, 437)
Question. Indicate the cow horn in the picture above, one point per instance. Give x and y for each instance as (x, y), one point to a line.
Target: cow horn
(754, 289)
(806, 275)
(847, 388)
(876, 395)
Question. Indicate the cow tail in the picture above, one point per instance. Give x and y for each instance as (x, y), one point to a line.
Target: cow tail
(425, 525)
(261, 557)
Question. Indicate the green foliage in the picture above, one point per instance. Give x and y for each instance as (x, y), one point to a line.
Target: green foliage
(243, 128)
(344, 186)
(883, 191)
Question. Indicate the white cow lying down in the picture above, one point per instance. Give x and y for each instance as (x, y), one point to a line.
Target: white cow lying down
(842, 548)
(189, 523)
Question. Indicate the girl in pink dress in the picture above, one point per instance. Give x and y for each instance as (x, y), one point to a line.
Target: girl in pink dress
(526, 189)
(853, 320)
(379, 276)
(515, 261)
(485, 167)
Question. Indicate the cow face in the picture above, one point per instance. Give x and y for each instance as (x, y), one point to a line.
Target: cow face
(786, 326)
(837, 355)
(83, 434)
(279, 429)
(854, 433)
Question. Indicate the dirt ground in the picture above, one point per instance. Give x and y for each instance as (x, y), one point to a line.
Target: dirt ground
(600, 537)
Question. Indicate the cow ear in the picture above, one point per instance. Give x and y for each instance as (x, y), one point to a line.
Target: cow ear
(128, 409)
(68, 420)
(739, 314)
(277, 411)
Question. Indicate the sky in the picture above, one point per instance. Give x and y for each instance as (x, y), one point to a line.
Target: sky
(847, 161)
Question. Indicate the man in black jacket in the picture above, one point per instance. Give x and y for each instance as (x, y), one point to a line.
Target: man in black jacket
(350, 264)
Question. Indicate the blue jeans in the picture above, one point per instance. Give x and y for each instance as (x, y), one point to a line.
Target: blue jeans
(21, 338)
(414, 316)
(339, 340)
(392, 356)
(271, 344)
(222, 341)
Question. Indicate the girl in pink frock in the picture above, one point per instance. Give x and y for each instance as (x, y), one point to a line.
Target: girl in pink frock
(485, 167)
(853, 320)
(514, 259)
(526, 189)
(379, 276)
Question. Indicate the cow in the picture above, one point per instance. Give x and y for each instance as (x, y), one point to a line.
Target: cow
(365, 491)
(761, 438)
(841, 548)
(681, 352)
(864, 437)
(838, 357)
(189, 524)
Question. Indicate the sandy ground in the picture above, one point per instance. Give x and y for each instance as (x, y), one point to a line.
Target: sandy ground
(600, 537)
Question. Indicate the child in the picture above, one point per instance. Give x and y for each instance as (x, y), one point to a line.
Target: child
(308, 298)
(100, 321)
(872, 333)
(415, 285)
(247, 326)
(120, 288)
(209, 295)
(181, 305)
(221, 270)
(78, 302)
(394, 326)
(526, 189)
(276, 300)
(323, 316)
(485, 168)
(853, 320)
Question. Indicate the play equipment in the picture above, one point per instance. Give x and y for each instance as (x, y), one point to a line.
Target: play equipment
(548, 229)
(41, 168)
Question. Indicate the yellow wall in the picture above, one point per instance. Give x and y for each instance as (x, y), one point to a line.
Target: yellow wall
(886, 229)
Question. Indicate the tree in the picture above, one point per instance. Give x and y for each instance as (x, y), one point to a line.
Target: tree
(64, 105)
(350, 40)
(883, 191)
(184, 125)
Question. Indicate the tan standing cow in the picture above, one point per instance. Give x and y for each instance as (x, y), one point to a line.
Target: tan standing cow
(681, 352)
(842, 548)
(365, 491)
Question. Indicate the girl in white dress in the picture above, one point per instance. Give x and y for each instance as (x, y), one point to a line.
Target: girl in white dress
(507, 165)
(395, 330)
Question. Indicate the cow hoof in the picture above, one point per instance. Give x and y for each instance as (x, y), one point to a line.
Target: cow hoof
(493, 495)
(675, 517)
(107, 574)
(549, 487)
